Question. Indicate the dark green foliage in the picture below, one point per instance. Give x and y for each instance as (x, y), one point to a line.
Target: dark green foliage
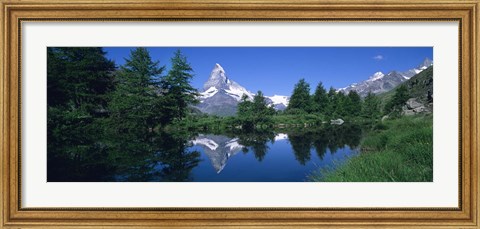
(340, 101)
(101, 122)
(135, 102)
(78, 80)
(371, 107)
(254, 113)
(176, 161)
(353, 104)
(300, 98)
(177, 93)
(332, 106)
(398, 100)
(320, 100)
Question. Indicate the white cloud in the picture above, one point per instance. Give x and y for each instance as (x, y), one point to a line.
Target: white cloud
(378, 57)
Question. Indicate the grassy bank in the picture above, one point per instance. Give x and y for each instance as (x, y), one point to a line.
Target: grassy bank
(395, 150)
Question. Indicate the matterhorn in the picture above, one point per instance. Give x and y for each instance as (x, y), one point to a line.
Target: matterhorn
(221, 95)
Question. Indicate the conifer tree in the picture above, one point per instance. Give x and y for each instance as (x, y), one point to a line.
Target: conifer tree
(245, 107)
(256, 112)
(331, 106)
(78, 80)
(340, 101)
(78, 77)
(135, 101)
(354, 104)
(371, 106)
(398, 100)
(320, 99)
(260, 106)
(177, 92)
(300, 99)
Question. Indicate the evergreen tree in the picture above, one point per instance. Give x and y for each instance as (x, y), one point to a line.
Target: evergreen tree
(331, 106)
(135, 101)
(340, 101)
(78, 77)
(245, 107)
(260, 106)
(371, 106)
(78, 80)
(354, 104)
(300, 99)
(256, 112)
(398, 100)
(177, 92)
(320, 99)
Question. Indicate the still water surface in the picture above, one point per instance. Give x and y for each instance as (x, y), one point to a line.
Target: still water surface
(281, 156)
(225, 159)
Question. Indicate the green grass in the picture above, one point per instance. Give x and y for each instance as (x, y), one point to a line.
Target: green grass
(398, 150)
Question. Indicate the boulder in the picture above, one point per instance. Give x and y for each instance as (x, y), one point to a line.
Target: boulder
(337, 122)
(419, 109)
(409, 112)
(412, 103)
(412, 107)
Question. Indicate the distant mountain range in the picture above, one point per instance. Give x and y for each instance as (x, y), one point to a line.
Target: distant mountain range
(380, 83)
(221, 95)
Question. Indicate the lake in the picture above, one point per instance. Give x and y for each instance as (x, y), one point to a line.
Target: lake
(225, 159)
(273, 156)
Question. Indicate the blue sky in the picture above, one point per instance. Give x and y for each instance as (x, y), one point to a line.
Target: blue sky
(275, 70)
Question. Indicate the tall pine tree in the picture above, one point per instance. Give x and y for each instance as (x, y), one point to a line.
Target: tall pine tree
(331, 106)
(398, 100)
(300, 99)
(340, 101)
(177, 93)
(78, 77)
(320, 99)
(371, 106)
(78, 80)
(354, 104)
(134, 104)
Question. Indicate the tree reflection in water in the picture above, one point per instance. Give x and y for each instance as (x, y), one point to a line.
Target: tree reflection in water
(135, 155)
(132, 155)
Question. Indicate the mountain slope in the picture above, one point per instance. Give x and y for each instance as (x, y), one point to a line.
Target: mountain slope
(221, 95)
(380, 83)
(420, 87)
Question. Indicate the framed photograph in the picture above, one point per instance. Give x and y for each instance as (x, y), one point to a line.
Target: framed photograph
(239, 114)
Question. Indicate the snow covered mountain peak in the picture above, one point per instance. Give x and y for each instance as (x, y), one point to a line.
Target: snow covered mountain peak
(425, 64)
(218, 78)
(219, 67)
(379, 82)
(376, 76)
(221, 95)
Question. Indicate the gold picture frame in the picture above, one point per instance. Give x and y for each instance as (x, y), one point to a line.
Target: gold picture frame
(14, 12)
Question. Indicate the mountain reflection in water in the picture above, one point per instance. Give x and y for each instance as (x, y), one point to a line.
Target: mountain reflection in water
(272, 156)
(226, 157)
(218, 148)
